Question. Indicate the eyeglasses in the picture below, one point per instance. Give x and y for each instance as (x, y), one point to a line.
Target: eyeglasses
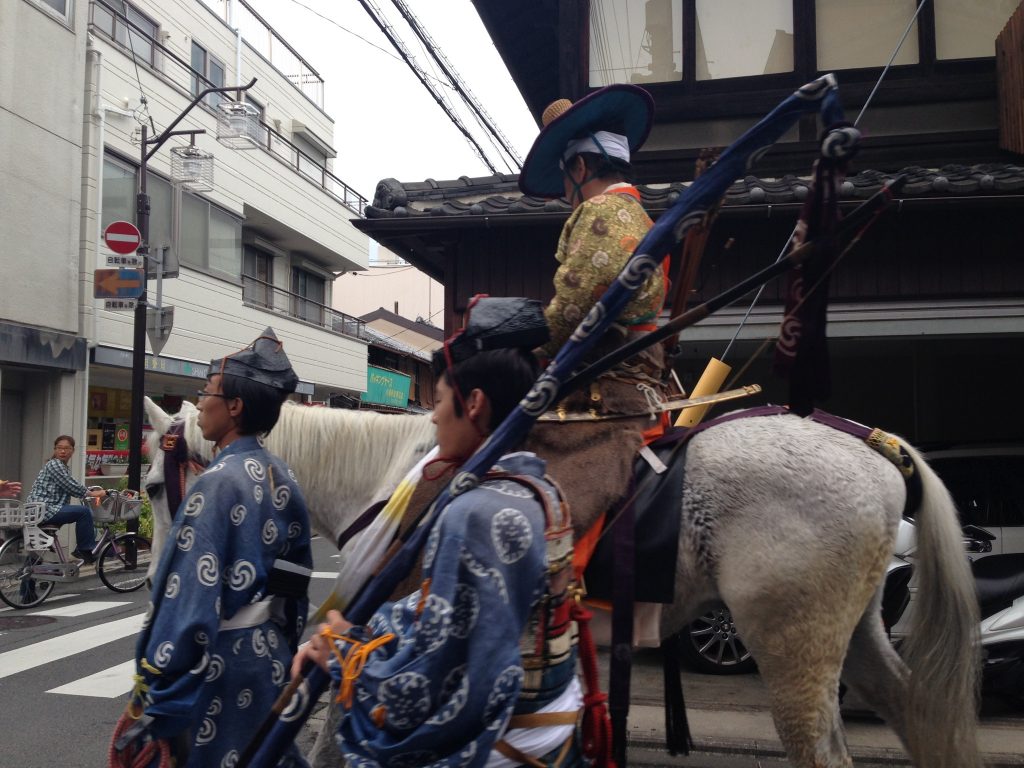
(201, 393)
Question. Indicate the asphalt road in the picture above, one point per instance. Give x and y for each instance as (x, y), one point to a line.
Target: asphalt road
(66, 667)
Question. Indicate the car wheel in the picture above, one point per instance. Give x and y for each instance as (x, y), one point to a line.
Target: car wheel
(710, 645)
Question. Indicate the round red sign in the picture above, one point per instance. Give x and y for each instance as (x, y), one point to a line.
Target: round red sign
(122, 435)
(122, 237)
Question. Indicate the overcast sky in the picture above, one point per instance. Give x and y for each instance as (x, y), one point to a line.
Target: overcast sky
(386, 123)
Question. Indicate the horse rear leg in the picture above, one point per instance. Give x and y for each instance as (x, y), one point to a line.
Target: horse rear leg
(803, 681)
(876, 672)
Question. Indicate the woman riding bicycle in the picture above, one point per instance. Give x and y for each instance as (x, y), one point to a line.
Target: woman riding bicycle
(54, 486)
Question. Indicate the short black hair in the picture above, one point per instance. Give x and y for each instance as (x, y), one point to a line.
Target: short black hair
(504, 375)
(602, 166)
(262, 403)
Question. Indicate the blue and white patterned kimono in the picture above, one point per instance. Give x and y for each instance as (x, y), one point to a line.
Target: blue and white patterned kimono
(441, 692)
(243, 513)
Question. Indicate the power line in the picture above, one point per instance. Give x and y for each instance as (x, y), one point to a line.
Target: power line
(375, 13)
(461, 88)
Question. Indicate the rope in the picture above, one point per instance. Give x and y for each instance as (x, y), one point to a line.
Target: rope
(132, 756)
(351, 665)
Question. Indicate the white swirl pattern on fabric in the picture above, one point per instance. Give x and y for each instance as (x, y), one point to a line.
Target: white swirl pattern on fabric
(540, 397)
(194, 505)
(207, 731)
(207, 569)
(186, 538)
(269, 534)
(594, 318)
(243, 575)
(237, 514)
(277, 671)
(282, 495)
(244, 698)
(230, 759)
(511, 535)
(257, 493)
(199, 668)
(294, 530)
(506, 688)
(254, 470)
(173, 586)
(637, 270)
(163, 654)
(216, 668)
(215, 707)
(202, 638)
(259, 643)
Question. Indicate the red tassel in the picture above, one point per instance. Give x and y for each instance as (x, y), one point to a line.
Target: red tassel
(597, 727)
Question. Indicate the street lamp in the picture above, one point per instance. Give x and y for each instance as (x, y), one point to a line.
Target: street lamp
(149, 148)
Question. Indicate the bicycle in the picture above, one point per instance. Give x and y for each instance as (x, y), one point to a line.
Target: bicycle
(33, 560)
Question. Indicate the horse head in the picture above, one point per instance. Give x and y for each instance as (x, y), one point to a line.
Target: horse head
(181, 435)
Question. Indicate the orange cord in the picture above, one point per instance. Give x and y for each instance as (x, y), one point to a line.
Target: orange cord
(352, 664)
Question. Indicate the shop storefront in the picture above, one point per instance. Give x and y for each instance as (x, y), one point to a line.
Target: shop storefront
(169, 382)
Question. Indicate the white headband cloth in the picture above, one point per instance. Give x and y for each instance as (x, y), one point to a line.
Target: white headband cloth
(600, 143)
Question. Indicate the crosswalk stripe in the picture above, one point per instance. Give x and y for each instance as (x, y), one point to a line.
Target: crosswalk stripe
(81, 609)
(63, 596)
(325, 575)
(108, 684)
(56, 648)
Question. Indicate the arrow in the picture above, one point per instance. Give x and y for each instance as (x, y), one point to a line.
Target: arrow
(117, 283)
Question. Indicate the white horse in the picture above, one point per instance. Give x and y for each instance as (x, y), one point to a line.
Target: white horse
(789, 523)
(362, 452)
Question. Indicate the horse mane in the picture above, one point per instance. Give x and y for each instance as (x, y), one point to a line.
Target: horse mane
(362, 454)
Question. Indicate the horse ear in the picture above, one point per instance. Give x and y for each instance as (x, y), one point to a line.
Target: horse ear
(158, 417)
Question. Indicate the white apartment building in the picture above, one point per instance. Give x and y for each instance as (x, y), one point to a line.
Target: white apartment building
(78, 78)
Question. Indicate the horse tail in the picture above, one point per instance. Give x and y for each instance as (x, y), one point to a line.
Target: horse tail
(942, 649)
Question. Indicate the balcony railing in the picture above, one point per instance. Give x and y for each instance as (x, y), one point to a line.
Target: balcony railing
(178, 73)
(259, 293)
(263, 39)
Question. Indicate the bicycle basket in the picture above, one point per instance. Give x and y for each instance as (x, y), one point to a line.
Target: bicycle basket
(118, 506)
(15, 514)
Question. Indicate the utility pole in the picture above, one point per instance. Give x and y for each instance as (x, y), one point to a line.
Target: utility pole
(142, 206)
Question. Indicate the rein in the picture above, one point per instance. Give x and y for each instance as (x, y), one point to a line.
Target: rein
(176, 465)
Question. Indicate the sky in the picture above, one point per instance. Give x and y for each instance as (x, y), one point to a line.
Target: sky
(386, 122)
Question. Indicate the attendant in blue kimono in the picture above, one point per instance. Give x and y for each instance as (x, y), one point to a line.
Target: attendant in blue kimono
(229, 601)
(435, 679)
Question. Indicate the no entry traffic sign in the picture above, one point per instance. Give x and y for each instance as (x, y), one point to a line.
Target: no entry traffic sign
(122, 237)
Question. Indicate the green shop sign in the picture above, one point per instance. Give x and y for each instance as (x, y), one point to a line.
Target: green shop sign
(386, 387)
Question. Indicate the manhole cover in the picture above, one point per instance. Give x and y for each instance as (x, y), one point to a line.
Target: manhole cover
(24, 622)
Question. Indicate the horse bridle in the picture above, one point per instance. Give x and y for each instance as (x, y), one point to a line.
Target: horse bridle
(177, 463)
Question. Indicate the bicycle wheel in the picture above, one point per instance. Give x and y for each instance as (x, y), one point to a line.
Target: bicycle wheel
(17, 588)
(123, 562)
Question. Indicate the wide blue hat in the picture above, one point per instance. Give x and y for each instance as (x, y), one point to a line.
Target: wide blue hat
(624, 109)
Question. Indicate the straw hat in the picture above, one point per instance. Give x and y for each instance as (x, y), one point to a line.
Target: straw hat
(624, 109)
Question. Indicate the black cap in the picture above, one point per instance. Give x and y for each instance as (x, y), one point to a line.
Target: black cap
(263, 361)
(499, 323)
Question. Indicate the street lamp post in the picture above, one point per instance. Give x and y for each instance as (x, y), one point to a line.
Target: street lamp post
(142, 205)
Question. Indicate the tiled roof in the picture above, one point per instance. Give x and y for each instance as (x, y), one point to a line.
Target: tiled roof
(379, 339)
(499, 194)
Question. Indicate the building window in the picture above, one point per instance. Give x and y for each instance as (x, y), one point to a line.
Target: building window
(120, 185)
(966, 30)
(207, 72)
(635, 41)
(864, 33)
(128, 27)
(739, 38)
(308, 301)
(209, 238)
(60, 8)
(258, 277)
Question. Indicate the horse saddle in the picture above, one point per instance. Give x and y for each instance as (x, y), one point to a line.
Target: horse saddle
(657, 499)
